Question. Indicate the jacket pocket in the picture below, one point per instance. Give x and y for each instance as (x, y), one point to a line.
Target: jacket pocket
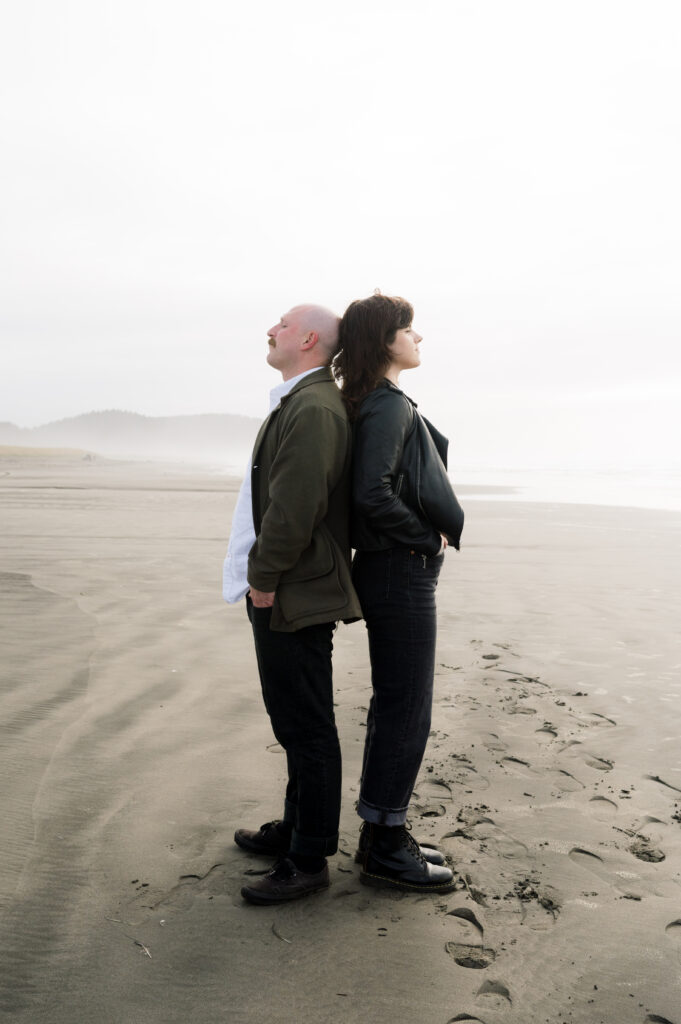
(320, 595)
(317, 560)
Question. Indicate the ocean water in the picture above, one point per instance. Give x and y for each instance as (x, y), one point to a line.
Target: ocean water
(634, 488)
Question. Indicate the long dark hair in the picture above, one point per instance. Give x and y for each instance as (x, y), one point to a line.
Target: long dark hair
(366, 332)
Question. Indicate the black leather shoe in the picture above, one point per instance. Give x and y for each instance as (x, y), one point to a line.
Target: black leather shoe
(429, 853)
(285, 882)
(271, 840)
(396, 862)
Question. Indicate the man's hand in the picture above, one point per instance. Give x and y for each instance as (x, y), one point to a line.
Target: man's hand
(444, 544)
(261, 598)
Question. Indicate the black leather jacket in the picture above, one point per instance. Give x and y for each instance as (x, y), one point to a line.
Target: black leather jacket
(402, 495)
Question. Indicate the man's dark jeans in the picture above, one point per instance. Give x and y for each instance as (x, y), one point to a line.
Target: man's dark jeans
(295, 675)
(397, 592)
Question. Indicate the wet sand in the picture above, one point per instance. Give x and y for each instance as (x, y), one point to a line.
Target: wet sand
(134, 742)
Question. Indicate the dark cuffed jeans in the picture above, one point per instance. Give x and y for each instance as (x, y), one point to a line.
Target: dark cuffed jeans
(296, 680)
(396, 589)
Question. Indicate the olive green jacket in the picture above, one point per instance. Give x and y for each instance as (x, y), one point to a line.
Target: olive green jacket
(301, 499)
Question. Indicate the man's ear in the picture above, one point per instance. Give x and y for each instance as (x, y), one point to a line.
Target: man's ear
(311, 339)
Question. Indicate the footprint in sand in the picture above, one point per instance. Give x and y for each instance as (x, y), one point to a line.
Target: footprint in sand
(434, 788)
(429, 797)
(595, 719)
(469, 950)
(652, 830)
(492, 742)
(588, 860)
(644, 850)
(463, 1017)
(565, 781)
(515, 677)
(518, 767)
(648, 819)
(596, 865)
(474, 816)
(521, 709)
(467, 776)
(474, 957)
(495, 840)
(661, 782)
(475, 893)
(601, 808)
(654, 1018)
(496, 991)
(591, 760)
(431, 809)
(599, 764)
(465, 701)
(673, 930)
(467, 920)
(547, 733)
(539, 909)
(189, 887)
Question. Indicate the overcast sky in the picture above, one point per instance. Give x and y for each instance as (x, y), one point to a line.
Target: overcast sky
(176, 175)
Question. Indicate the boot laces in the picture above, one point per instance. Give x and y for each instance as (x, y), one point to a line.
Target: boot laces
(411, 844)
(406, 837)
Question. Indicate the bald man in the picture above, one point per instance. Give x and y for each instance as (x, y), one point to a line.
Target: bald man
(289, 555)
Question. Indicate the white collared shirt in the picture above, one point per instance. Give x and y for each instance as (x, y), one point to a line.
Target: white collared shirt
(242, 535)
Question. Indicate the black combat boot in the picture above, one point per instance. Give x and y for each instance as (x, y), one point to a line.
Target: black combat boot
(432, 855)
(393, 858)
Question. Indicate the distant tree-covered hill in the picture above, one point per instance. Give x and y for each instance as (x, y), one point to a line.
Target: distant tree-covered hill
(208, 437)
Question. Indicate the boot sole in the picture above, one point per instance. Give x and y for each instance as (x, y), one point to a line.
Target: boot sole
(383, 881)
(263, 899)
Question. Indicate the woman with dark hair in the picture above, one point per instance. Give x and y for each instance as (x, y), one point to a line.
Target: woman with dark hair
(403, 517)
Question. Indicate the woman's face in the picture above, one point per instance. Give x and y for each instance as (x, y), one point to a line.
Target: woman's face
(405, 349)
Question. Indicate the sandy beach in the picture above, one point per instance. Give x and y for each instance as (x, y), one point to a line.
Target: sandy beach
(135, 742)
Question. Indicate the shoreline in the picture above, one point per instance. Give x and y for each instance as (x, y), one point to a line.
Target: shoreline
(658, 490)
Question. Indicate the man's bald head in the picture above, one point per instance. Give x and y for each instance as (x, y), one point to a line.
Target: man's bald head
(304, 338)
(324, 323)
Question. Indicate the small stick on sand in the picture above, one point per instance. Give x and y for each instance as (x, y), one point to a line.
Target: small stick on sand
(276, 932)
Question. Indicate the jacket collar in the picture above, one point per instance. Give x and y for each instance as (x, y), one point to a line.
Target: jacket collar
(385, 383)
(319, 376)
